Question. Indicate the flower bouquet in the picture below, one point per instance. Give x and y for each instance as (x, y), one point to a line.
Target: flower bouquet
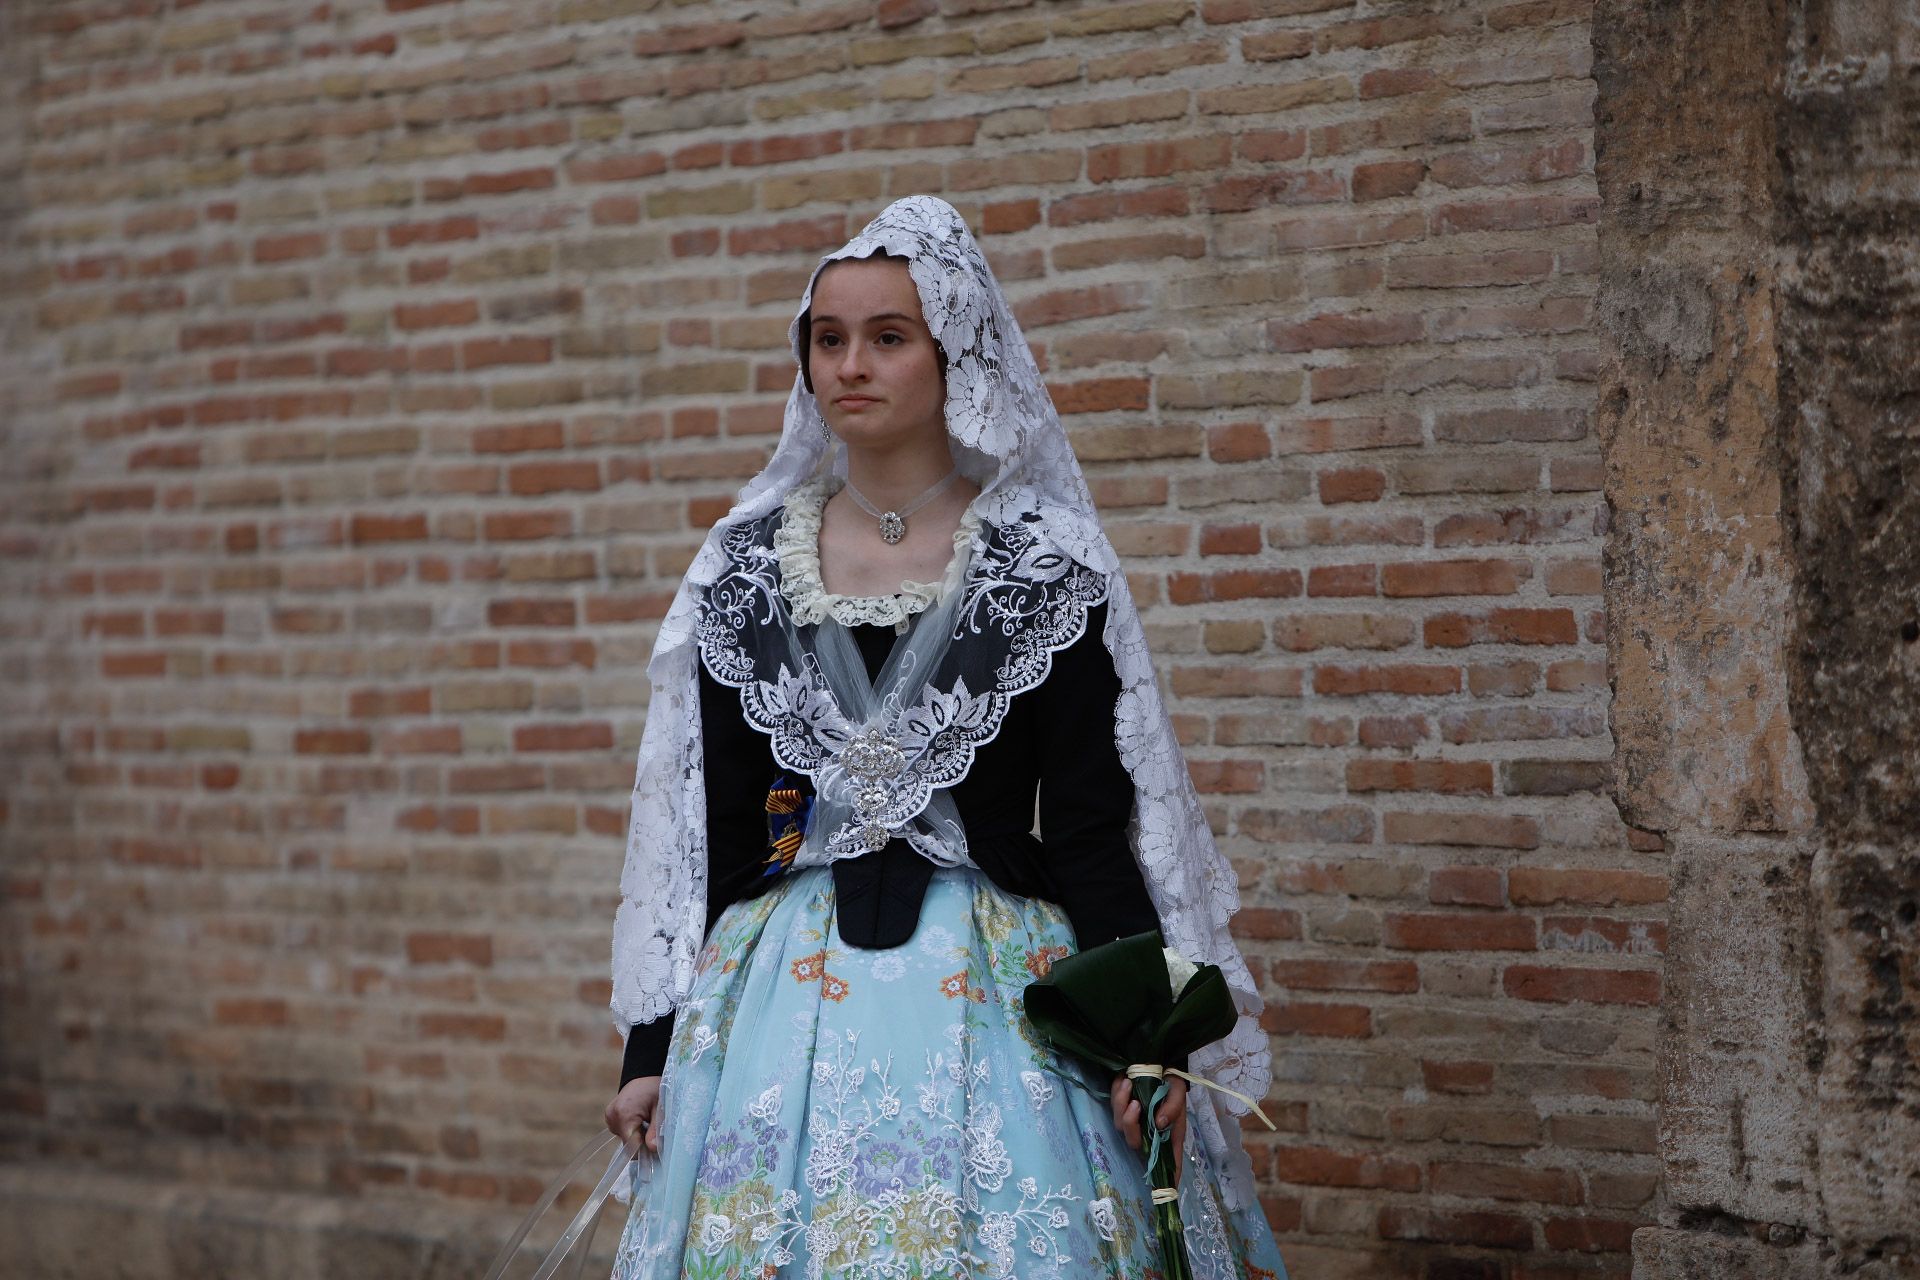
(1132, 1006)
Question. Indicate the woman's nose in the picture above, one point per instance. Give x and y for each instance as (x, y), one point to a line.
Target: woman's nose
(853, 362)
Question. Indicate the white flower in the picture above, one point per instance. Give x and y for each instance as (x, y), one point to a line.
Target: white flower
(988, 1163)
(1029, 1188)
(1180, 970)
(889, 967)
(1104, 1219)
(766, 1107)
(703, 1040)
(1039, 1089)
(821, 1240)
(716, 1229)
(1057, 1219)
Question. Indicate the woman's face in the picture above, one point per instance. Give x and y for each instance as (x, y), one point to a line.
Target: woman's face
(874, 366)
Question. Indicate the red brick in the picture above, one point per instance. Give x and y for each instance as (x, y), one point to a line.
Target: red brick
(1238, 442)
(1266, 924)
(1457, 1077)
(1230, 539)
(1453, 578)
(435, 315)
(1603, 935)
(1591, 1235)
(1226, 777)
(597, 736)
(1441, 1226)
(1134, 160)
(1348, 681)
(332, 742)
(1324, 1167)
(1592, 986)
(1504, 1182)
(1503, 626)
(1332, 1021)
(1331, 332)
(450, 948)
(1543, 886)
(1351, 484)
(1487, 829)
(1459, 932)
(1466, 887)
(1455, 777)
(1397, 976)
(530, 613)
(1232, 584)
(1385, 179)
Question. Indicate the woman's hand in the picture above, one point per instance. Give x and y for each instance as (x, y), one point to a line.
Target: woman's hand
(634, 1112)
(1171, 1115)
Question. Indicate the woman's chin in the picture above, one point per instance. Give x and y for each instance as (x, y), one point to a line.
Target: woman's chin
(860, 431)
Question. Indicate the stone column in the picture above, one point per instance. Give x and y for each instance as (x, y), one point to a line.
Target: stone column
(1759, 165)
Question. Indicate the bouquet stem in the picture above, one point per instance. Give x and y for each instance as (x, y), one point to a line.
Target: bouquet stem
(1161, 1162)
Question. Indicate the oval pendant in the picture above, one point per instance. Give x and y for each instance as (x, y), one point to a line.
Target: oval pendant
(892, 528)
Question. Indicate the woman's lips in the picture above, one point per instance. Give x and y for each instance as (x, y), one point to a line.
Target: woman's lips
(855, 402)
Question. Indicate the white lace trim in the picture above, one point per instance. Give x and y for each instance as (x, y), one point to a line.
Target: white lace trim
(797, 545)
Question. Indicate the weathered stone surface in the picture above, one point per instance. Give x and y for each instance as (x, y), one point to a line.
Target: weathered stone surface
(1737, 1116)
(1760, 168)
(1850, 393)
(1660, 1253)
(1869, 1083)
(1696, 562)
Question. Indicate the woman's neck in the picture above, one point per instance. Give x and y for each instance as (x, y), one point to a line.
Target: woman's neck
(890, 479)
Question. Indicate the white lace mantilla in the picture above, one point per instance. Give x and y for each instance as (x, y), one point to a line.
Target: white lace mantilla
(1007, 438)
(797, 545)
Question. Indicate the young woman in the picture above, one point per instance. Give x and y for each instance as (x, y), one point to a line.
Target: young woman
(908, 635)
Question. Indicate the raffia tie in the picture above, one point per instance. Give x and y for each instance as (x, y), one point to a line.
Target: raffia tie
(1159, 1072)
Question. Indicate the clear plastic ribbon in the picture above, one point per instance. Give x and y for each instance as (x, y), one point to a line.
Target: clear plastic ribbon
(576, 1242)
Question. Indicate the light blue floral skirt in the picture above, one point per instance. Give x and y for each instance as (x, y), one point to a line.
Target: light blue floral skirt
(829, 1111)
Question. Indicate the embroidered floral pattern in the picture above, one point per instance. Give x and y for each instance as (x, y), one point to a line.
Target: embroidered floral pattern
(797, 1148)
(1040, 962)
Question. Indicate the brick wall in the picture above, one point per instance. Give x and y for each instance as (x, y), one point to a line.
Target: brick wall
(384, 363)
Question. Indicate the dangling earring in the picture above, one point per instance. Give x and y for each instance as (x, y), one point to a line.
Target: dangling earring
(825, 433)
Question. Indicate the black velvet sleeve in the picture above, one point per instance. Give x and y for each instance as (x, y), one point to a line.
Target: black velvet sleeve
(1086, 798)
(1086, 795)
(739, 770)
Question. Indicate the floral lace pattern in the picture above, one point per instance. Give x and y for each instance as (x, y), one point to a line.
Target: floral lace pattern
(1022, 600)
(796, 544)
(1009, 440)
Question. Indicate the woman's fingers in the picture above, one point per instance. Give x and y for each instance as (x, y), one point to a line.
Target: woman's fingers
(1126, 1111)
(633, 1115)
(1173, 1107)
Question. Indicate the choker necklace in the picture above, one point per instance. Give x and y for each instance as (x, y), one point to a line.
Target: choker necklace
(893, 524)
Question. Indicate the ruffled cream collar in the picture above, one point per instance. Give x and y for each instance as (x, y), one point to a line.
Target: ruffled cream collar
(797, 545)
